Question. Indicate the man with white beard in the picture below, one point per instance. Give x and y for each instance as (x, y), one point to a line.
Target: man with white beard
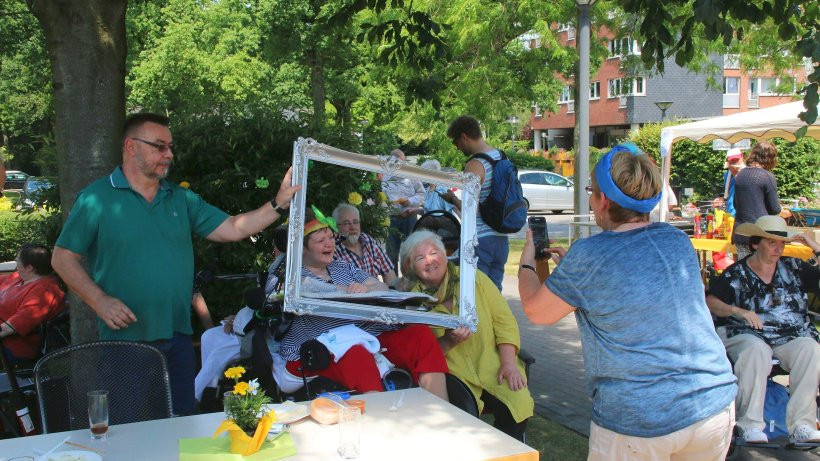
(358, 248)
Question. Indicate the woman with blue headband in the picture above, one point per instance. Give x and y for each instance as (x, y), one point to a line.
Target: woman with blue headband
(661, 385)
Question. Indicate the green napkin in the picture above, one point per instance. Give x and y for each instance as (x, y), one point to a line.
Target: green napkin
(218, 449)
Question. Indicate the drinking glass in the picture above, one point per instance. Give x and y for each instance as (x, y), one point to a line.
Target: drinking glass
(350, 429)
(227, 397)
(98, 413)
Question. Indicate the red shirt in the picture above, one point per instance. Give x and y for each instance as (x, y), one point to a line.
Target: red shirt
(25, 307)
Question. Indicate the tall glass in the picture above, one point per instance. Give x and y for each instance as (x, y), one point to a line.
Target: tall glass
(98, 413)
(350, 429)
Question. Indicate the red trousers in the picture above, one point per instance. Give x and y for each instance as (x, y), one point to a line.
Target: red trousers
(413, 348)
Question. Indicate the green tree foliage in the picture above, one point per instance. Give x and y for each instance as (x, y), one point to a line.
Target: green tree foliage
(490, 73)
(674, 27)
(206, 58)
(25, 89)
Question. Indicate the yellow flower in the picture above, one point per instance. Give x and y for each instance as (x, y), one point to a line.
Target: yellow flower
(386, 222)
(354, 198)
(241, 388)
(185, 184)
(382, 197)
(235, 372)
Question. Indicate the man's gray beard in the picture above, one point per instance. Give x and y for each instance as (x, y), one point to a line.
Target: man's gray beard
(353, 238)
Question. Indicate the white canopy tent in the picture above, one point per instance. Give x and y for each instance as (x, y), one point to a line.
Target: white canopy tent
(774, 122)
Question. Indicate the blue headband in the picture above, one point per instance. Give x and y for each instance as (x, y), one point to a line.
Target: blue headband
(603, 175)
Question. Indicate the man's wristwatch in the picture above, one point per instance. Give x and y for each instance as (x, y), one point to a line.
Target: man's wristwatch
(281, 211)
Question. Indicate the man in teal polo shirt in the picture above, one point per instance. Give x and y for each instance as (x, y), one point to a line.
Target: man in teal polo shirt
(133, 228)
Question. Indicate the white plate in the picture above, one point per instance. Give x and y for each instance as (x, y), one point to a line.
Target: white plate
(72, 455)
(289, 412)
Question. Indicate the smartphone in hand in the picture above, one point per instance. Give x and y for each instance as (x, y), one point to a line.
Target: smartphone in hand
(538, 225)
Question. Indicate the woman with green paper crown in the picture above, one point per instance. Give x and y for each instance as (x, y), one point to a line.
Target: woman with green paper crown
(352, 344)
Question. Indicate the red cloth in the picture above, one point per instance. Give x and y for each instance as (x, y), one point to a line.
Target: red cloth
(25, 307)
(721, 260)
(413, 348)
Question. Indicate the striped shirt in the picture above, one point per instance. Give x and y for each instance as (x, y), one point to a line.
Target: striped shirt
(307, 327)
(481, 228)
(373, 260)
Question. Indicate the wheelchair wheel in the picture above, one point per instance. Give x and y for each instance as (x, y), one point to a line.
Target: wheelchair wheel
(460, 395)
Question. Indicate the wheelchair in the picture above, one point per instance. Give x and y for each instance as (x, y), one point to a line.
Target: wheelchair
(738, 441)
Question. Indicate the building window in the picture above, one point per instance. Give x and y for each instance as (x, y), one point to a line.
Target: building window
(767, 86)
(628, 86)
(536, 110)
(569, 29)
(731, 92)
(614, 88)
(623, 46)
(775, 86)
(638, 86)
(595, 90)
(566, 95)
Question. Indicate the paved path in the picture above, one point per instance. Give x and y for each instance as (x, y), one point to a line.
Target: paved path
(557, 378)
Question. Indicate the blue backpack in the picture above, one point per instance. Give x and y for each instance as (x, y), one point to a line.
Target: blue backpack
(505, 209)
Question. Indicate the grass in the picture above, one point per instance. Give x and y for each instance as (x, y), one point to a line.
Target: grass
(555, 442)
(552, 440)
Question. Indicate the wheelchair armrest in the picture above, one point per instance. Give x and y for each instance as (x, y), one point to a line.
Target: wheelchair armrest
(526, 357)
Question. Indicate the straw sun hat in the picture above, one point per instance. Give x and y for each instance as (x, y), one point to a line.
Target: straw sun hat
(770, 227)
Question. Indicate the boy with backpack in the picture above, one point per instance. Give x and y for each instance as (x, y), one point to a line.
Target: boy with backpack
(502, 209)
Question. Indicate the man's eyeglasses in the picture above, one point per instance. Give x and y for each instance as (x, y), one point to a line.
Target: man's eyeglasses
(163, 148)
(588, 188)
(348, 223)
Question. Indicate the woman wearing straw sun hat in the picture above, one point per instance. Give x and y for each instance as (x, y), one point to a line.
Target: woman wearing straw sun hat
(761, 304)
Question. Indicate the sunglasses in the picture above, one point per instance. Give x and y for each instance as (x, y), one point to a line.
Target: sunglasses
(162, 148)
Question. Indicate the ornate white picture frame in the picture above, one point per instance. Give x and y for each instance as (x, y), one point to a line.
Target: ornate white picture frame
(309, 149)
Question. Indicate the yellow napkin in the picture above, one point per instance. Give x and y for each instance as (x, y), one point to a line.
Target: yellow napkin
(218, 449)
(240, 439)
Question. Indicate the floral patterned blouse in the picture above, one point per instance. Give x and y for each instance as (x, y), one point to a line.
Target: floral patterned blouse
(782, 305)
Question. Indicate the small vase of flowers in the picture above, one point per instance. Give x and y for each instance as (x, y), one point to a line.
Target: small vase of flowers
(248, 421)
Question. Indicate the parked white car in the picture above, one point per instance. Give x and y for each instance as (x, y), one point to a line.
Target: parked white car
(545, 190)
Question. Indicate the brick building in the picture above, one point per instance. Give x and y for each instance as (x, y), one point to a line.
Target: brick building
(619, 103)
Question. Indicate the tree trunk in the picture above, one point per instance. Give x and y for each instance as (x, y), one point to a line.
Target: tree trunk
(86, 46)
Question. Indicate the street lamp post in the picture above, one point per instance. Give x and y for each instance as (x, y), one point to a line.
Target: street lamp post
(512, 120)
(582, 112)
(663, 106)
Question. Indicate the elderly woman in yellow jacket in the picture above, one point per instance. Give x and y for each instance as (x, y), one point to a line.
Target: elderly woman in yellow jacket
(487, 361)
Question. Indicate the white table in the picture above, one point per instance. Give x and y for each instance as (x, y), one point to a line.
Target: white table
(425, 428)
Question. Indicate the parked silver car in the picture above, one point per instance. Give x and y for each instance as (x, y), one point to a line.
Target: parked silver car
(545, 190)
(15, 179)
